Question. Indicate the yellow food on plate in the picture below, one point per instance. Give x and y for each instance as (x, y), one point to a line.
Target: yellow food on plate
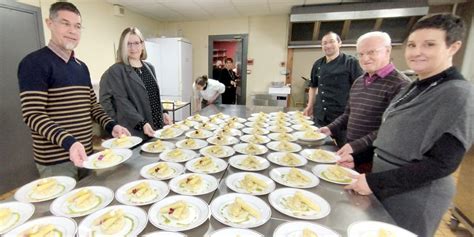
(385, 233)
(192, 183)
(178, 210)
(82, 201)
(322, 155)
(252, 149)
(107, 157)
(251, 184)
(234, 119)
(198, 133)
(337, 173)
(188, 122)
(216, 150)
(161, 170)
(5, 215)
(313, 134)
(283, 136)
(230, 124)
(296, 176)
(239, 211)
(46, 230)
(220, 115)
(256, 139)
(257, 131)
(176, 153)
(221, 139)
(167, 132)
(299, 203)
(226, 130)
(205, 126)
(204, 163)
(285, 146)
(111, 222)
(290, 159)
(156, 146)
(197, 117)
(250, 162)
(45, 186)
(279, 128)
(142, 192)
(190, 143)
(309, 233)
(121, 141)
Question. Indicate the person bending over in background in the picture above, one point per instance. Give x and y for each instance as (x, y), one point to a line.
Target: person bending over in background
(207, 89)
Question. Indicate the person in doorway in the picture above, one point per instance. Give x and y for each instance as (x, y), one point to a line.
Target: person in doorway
(369, 97)
(207, 91)
(331, 80)
(228, 78)
(57, 99)
(425, 132)
(217, 68)
(129, 89)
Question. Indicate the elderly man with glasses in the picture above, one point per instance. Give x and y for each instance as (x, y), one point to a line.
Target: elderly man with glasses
(369, 97)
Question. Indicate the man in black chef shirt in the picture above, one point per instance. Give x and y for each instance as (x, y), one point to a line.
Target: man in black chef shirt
(228, 77)
(331, 80)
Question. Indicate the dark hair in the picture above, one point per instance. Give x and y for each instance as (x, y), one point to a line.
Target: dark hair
(229, 60)
(337, 36)
(202, 80)
(62, 6)
(451, 24)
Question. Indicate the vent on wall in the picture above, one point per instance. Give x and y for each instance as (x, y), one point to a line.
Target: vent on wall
(119, 10)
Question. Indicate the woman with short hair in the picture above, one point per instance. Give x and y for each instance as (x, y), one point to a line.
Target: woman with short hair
(208, 89)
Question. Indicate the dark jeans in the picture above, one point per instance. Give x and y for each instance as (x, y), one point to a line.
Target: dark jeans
(228, 97)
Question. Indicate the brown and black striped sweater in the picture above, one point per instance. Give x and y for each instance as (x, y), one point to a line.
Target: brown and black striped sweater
(58, 105)
(363, 113)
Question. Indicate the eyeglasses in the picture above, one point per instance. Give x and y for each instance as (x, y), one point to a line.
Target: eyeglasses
(134, 44)
(370, 53)
(68, 25)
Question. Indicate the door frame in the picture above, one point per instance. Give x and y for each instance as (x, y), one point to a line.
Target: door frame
(245, 40)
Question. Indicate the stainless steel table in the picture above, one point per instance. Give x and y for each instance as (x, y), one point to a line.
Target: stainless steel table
(346, 207)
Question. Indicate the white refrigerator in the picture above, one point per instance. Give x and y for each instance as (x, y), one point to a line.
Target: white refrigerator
(172, 59)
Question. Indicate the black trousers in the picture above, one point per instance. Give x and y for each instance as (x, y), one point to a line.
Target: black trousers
(228, 97)
(363, 160)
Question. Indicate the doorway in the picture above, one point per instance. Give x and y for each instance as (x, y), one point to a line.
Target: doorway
(232, 46)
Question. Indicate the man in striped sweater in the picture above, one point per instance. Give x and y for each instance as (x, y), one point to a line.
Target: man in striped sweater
(57, 99)
(369, 97)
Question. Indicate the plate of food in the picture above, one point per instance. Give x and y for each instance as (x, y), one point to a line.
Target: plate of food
(179, 125)
(188, 123)
(161, 170)
(249, 162)
(199, 134)
(303, 228)
(168, 133)
(334, 173)
(302, 120)
(259, 119)
(164, 234)
(107, 158)
(122, 142)
(280, 123)
(304, 127)
(198, 118)
(376, 229)
(193, 184)
(118, 220)
(250, 183)
(256, 139)
(260, 114)
(294, 177)
(206, 164)
(284, 146)
(299, 203)
(191, 143)
(215, 120)
(234, 125)
(256, 124)
(206, 126)
(227, 131)
(13, 214)
(46, 226)
(217, 151)
(310, 135)
(222, 140)
(287, 159)
(178, 213)
(236, 119)
(157, 146)
(234, 232)
(82, 201)
(280, 129)
(255, 131)
(220, 116)
(250, 149)
(178, 155)
(141, 192)
(282, 137)
(320, 155)
(45, 189)
(240, 210)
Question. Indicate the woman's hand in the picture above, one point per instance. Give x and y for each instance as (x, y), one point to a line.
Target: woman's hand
(148, 130)
(325, 130)
(167, 119)
(347, 161)
(360, 186)
(345, 150)
(118, 130)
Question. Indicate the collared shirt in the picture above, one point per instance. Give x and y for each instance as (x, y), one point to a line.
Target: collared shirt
(381, 73)
(212, 87)
(63, 54)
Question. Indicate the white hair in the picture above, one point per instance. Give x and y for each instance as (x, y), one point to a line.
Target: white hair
(378, 34)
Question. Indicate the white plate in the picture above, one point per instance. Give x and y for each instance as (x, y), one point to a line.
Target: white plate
(295, 228)
(231, 132)
(206, 126)
(227, 151)
(229, 140)
(180, 126)
(258, 131)
(94, 163)
(65, 226)
(259, 119)
(278, 114)
(249, 139)
(209, 184)
(260, 114)
(304, 120)
(167, 146)
(220, 116)
(174, 132)
(25, 193)
(21, 212)
(277, 137)
(199, 213)
(198, 118)
(197, 145)
(234, 232)
(188, 123)
(132, 141)
(236, 119)
(136, 221)
(164, 234)
(234, 125)
(215, 121)
(276, 199)
(300, 127)
(276, 157)
(185, 155)
(254, 124)
(176, 169)
(300, 136)
(160, 188)
(203, 135)
(233, 182)
(241, 148)
(275, 146)
(236, 162)
(371, 228)
(220, 204)
(280, 174)
(219, 165)
(61, 207)
(308, 154)
(319, 170)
